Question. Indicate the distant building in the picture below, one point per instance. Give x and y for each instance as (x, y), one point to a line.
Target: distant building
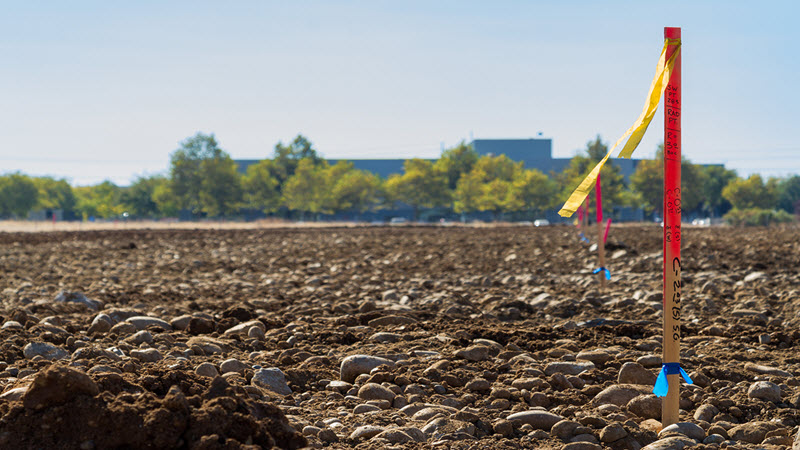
(534, 153)
(46, 214)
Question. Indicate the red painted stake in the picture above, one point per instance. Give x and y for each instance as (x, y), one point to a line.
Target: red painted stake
(672, 230)
(601, 245)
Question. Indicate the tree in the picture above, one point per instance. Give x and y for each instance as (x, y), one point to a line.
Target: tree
(18, 195)
(750, 193)
(139, 198)
(420, 186)
(648, 183)
(497, 167)
(287, 157)
(533, 190)
(455, 162)
(469, 189)
(307, 189)
(55, 194)
(101, 200)
(261, 187)
(165, 200)
(497, 196)
(789, 195)
(715, 178)
(497, 174)
(492, 185)
(613, 182)
(356, 190)
(204, 177)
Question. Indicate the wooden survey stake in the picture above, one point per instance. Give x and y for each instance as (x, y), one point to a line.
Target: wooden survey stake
(672, 230)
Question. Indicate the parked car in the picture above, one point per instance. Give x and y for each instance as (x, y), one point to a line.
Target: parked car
(541, 223)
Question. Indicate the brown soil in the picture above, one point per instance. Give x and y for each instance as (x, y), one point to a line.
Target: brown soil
(317, 293)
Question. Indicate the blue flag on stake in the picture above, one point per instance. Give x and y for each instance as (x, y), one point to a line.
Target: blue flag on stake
(662, 386)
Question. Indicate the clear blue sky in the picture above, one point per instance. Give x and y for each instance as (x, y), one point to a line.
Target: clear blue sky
(97, 89)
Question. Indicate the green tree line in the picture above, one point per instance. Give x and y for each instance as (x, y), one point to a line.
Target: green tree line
(295, 181)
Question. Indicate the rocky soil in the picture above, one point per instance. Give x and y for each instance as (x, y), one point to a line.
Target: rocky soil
(404, 337)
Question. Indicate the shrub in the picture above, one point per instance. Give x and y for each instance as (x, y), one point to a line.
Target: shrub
(752, 217)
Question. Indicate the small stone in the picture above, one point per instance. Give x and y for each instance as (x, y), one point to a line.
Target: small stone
(529, 383)
(46, 350)
(256, 333)
(142, 322)
(598, 357)
(366, 432)
(123, 329)
(271, 379)
(582, 445)
(646, 406)
(244, 328)
(100, 368)
(355, 365)
(478, 385)
(394, 436)
(706, 412)
(146, 355)
(613, 432)
(180, 322)
(391, 320)
(367, 306)
(474, 353)
(365, 408)
(714, 439)
(101, 324)
(710, 287)
(201, 325)
(751, 432)
(57, 385)
(500, 392)
(687, 429)
(778, 440)
(671, 443)
(327, 435)
(568, 367)
(140, 337)
(540, 420)
(384, 337)
(620, 394)
(650, 425)
(311, 430)
(339, 386)
(80, 298)
(755, 276)
(233, 365)
(14, 394)
(767, 370)
(765, 390)
(427, 413)
(467, 415)
(12, 325)
(564, 429)
(635, 373)
(503, 427)
(390, 295)
(764, 339)
(649, 361)
(374, 391)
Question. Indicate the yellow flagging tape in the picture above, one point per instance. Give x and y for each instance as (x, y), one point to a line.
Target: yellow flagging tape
(636, 131)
